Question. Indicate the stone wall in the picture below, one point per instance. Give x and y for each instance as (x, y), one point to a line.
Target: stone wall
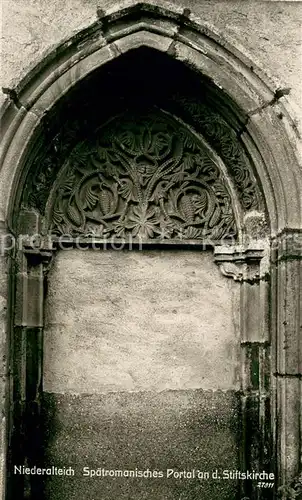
(268, 32)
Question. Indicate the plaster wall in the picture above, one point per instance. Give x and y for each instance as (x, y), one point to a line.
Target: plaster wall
(140, 320)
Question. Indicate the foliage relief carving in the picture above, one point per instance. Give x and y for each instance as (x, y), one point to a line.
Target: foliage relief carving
(146, 177)
(225, 141)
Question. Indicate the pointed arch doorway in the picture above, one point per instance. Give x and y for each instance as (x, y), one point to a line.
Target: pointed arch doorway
(142, 350)
(216, 222)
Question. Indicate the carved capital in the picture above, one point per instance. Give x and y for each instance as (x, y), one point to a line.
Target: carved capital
(37, 249)
(245, 265)
(37, 256)
(239, 263)
(231, 270)
(32, 263)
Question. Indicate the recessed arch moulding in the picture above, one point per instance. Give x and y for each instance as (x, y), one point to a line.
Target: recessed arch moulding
(148, 156)
(211, 157)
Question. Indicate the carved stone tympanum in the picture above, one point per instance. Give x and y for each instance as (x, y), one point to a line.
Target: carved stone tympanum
(143, 176)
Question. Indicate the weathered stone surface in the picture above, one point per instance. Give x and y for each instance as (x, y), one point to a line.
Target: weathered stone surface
(143, 38)
(280, 145)
(180, 430)
(289, 300)
(211, 65)
(2, 457)
(259, 30)
(140, 320)
(289, 408)
(41, 27)
(72, 76)
(24, 133)
(3, 368)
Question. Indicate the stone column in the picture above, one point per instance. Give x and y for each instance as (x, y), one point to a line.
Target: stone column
(249, 266)
(6, 244)
(287, 358)
(27, 364)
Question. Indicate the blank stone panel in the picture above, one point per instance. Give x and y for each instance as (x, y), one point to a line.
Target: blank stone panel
(140, 320)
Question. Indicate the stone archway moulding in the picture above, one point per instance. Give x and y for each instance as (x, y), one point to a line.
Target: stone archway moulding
(264, 126)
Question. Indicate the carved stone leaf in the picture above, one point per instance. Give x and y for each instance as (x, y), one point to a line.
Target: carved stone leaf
(81, 153)
(89, 197)
(201, 202)
(127, 138)
(57, 216)
(192, 233)
(160, 142)
(68, 184)
(188, 162)
(189, 143)
(215, 217)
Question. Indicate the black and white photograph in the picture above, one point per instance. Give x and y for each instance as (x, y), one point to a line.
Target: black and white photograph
(151, 250)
